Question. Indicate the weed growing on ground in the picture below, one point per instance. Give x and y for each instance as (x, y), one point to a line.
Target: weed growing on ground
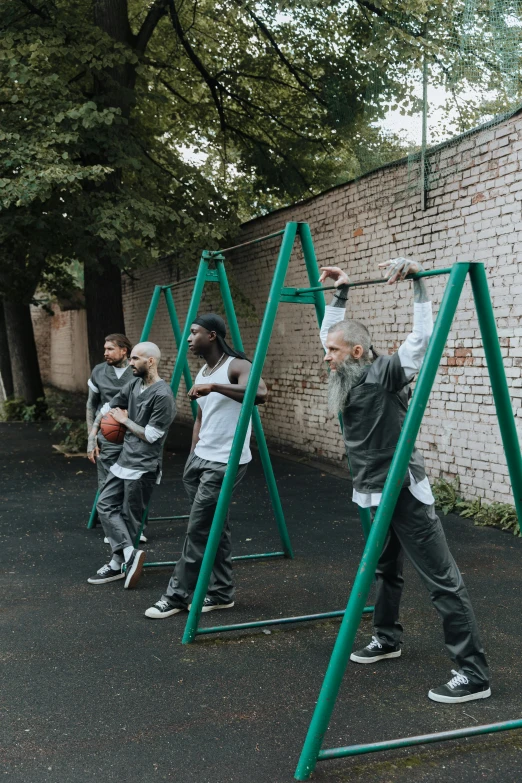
(16, 409)
(500, 515)
(52, 408)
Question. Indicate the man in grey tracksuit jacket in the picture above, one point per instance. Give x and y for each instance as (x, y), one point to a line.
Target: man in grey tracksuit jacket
(146, 408)
(372, 394)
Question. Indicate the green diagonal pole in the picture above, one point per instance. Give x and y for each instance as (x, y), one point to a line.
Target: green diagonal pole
(375, 543)
(240, 434)
(312, 268)
(497, 375)
(93, 516)
(195, 299)
(147, 326)
(171, 307)
(256, 418)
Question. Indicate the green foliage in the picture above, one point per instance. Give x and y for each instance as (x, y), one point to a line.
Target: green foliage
(446, 494)
(195, 115)
(16, 409)
(74, 435)
(73, 431)
(500, 515)
(53, 407)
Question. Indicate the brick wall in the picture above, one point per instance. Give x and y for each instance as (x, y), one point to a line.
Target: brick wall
(61, 341)
(473, 213)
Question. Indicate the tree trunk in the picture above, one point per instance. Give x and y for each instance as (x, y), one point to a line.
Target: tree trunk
(27, 380)
(104, 306)
(6, 374)
(114, 87)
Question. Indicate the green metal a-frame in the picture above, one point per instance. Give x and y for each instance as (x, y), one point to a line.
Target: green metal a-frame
(313, 295)
(312, 752)
(181, 368)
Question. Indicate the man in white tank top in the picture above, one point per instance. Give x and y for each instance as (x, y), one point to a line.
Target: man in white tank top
(219, 389)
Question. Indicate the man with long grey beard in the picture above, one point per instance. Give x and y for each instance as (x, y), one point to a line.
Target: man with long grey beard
(372, 393)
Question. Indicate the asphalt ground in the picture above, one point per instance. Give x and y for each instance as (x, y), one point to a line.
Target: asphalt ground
(94, 691)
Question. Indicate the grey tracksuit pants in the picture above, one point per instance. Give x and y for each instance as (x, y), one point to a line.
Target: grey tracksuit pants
(121, 506)
(416, 530)
(203, 480)
(107, 457)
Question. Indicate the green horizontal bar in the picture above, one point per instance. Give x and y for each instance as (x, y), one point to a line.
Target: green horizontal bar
(281, 621)
(180, 282)
(210, 277)
(245, 244)
(428, 273)
(236, 557)
(289, 295)
(473, 731)
(162, 519)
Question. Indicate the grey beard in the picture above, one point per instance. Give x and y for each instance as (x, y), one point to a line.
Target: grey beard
(342, 381)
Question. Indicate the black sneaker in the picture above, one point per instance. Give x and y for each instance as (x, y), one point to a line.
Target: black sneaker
(375, 651)
(209, 604)
(106, 574)
(134, 568)
(162, 609)
(459, 689)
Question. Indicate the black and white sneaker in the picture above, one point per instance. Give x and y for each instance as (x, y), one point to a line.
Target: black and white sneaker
(134, 568)
(143, 539)
(106, 574)
(162, 609)
(209, 604)
(459, 689)
(375, 651)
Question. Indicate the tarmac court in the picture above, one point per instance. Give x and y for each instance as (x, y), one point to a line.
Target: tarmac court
(94, 692)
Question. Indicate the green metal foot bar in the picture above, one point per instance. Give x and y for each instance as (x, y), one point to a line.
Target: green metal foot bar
(260, 556)
(311, 752)
(303, 618)
(422, 739)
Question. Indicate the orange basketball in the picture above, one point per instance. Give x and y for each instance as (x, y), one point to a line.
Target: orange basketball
(111, 429)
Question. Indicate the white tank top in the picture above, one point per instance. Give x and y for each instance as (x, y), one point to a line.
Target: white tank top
(219, 416)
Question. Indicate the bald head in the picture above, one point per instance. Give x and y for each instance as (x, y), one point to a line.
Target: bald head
(147, 351)
(144, 360)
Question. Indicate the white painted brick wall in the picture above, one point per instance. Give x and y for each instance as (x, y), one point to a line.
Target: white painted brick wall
(474, 213)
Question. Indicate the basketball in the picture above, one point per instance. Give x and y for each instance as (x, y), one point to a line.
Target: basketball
(111, 429)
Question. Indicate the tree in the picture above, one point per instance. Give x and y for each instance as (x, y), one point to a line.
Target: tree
(146, 129)
(6, 373)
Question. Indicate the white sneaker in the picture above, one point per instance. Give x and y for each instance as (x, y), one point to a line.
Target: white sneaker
(162, 609)
(106, 540)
